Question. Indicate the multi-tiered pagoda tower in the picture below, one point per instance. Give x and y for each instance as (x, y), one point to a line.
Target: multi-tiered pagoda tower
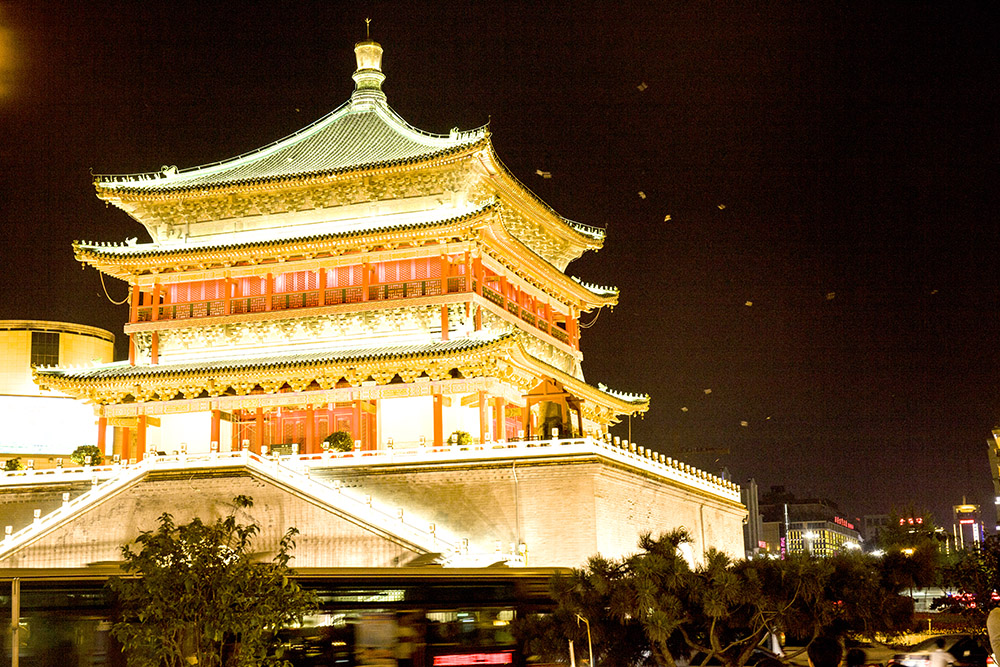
(362, 276)
(359, 275)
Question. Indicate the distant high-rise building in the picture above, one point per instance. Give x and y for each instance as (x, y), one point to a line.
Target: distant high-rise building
(993, 448)
(753, 529)
(805, 525)
(967, 525)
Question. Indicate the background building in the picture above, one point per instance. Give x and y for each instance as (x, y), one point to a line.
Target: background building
(805, 525)
(41, 423)
(872, 526)
(753, 529)
(967, 525)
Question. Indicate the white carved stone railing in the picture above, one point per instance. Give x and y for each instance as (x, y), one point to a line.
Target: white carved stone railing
(622, 452)
(124, 477)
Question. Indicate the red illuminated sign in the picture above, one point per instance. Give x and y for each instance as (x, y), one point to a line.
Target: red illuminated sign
(843, 522)
(967, 521)
(463, 659)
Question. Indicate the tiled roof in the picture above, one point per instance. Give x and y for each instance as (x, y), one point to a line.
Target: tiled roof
(345, 140)
(121, 370)
(599, 290)
(378, 225)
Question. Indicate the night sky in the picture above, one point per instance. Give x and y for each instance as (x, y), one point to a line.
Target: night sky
(832, 164)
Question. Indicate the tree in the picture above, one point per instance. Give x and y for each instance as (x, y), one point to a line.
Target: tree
(81, 453)
(848, 593)
(339, 441)
(195, 595)
(912, 546)
(975, 575)
(596, 593)
(653, 608)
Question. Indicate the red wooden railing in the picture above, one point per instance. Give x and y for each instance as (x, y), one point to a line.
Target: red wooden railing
(308, 299)
(409, 289)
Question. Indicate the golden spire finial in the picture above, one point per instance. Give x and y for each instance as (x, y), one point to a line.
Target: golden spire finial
(368, 34)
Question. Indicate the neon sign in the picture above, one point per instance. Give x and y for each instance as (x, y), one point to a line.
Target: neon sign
(843, 522)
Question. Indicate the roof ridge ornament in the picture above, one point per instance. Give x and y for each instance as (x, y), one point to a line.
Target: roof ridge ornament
(368, 77)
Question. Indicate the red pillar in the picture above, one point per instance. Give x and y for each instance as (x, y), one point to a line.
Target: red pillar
(444, 323)
(438, 420)
(154, 348)
(321, 282)
(140, 438)
(499, 419)
(216, 427)
(133, 315)
(227, 296)
(310, 431)
(572, 329)
(366, 280)
(357, 422)
(484, 421)
(468, 271)
(102, 430)
(259, 430)
(444, 274)
(479, 273)
(268, 291)
(126, 443)
(156, 302)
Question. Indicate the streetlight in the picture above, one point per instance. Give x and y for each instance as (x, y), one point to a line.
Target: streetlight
(810, 536)
(590, 647)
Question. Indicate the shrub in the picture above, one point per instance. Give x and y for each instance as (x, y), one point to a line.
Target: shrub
(339, 441)
(81, 453)
(460, 438)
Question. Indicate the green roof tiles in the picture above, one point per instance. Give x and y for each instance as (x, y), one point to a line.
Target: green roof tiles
(347, 139)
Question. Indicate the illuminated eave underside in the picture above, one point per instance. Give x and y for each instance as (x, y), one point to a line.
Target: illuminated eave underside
(500, 356)
(593, 236)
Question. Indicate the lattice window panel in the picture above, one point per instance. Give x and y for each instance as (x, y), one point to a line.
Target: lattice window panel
(388, 272)
(295, 281)
(201, 290)
(252, 286)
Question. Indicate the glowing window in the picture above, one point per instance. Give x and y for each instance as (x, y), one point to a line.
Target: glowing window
(44, 348)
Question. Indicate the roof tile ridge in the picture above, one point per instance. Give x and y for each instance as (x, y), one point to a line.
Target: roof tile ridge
(458, 136)
(208, 168)
(572, 225)
(634, 398)
(148, 248)
(595, 288)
